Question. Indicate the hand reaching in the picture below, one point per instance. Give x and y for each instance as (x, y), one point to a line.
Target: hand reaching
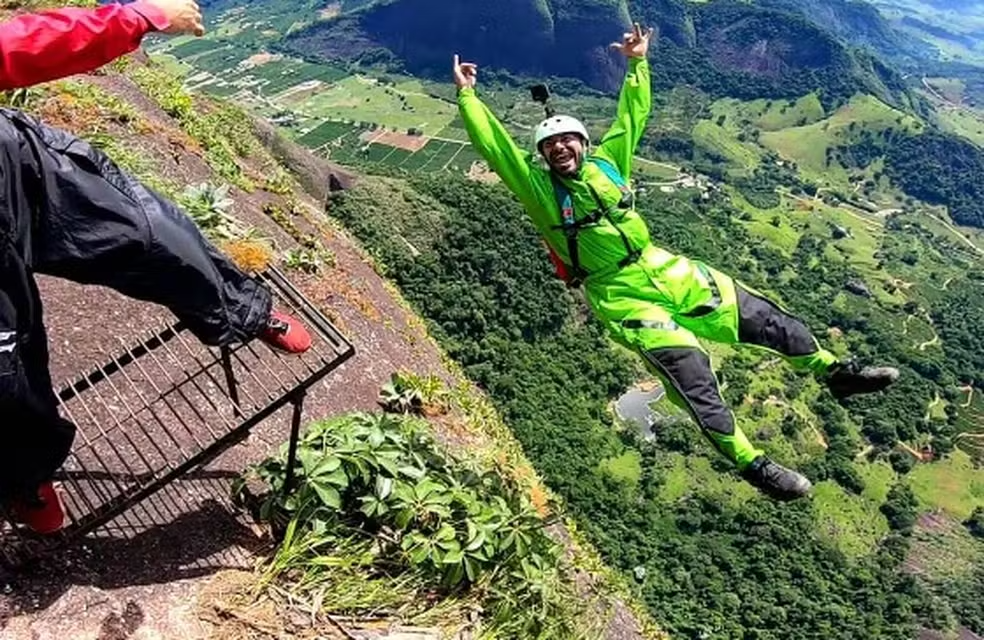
(184, 16)
(465, 73)
(634, 44)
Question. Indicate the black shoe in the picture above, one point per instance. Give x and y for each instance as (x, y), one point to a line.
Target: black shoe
(849, 378)
(775, 480)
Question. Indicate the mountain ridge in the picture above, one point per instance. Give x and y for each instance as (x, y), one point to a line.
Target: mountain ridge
(715, 44)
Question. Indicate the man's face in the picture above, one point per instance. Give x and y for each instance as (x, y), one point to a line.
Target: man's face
(563, 152)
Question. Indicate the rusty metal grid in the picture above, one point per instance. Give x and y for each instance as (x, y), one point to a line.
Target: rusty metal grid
(164, 404)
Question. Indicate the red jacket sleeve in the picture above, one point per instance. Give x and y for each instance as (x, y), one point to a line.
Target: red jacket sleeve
(42, 46)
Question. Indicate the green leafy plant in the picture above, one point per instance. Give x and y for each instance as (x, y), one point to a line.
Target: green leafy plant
(429, 514)
(224, 132)
(408, 392)
(278, 182)
(399, 396)
(20, 98)
(308, 259)
(208, 206)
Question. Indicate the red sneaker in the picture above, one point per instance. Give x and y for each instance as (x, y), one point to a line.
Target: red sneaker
(286, 334)
(47, 516)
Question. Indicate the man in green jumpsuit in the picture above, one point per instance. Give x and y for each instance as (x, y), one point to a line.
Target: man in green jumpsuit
(652, 301)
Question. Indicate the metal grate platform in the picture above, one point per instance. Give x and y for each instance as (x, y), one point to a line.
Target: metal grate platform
(165, 404)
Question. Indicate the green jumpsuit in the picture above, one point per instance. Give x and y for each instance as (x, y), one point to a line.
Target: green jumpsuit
(650, 300)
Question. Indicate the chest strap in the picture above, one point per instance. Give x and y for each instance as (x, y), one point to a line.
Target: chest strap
(571, 225)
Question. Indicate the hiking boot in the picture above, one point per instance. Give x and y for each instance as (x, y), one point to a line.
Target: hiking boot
(44, 514)
(285, 334)
(775, 480)
(849, 378)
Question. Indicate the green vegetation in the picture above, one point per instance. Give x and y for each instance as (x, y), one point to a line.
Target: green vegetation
(223, 132)
(941, 169)
(359, 98)
(955, 31)
(962, 122)
(812, 146)
(208, 206)
(685, 519)
(381, 486)
(954, 484)
(769, 115)
(714, 142)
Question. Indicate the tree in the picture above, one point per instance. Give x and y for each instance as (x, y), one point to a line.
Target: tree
(846, 475)
(975, 523)
(902, 461)
(900, 508)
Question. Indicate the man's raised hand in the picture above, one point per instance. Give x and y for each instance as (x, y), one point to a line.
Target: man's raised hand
(634, 44)
(465, 73)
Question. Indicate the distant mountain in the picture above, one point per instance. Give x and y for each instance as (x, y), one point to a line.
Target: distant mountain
(725, 47)
(544, 37)
(861, 24)
(954, 27)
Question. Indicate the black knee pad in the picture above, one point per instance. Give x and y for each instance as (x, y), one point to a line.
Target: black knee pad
(689, 371)
(763, 323)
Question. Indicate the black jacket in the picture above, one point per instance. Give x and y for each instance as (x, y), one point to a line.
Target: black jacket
(66, 210)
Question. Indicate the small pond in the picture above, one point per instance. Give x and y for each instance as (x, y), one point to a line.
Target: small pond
(634, 406)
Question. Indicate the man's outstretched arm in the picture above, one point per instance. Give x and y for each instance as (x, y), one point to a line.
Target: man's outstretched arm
(634, 104)
(489, 136)
(46, 45)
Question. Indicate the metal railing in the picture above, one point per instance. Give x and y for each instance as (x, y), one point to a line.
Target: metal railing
(166, 404)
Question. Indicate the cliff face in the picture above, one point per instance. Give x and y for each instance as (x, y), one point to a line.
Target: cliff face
(555, 37)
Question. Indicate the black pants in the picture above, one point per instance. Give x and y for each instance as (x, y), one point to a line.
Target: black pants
(66, 210)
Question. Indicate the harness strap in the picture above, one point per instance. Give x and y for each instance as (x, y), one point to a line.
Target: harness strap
(572, 226)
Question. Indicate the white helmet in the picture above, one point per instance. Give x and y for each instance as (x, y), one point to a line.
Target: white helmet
(558, 124)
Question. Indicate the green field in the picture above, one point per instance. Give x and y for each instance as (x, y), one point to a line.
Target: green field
(326, 132)
(958, 20)
(455, 130)
(807, 145)
(192, 47)
(656, 171)
(945, 549)
(963, 121)
(279, 75)
(970, 423)
(953, 485)
(341, 142)
(717, 141)
(686, 475)
(364, 99)
(768, 115)
(678, 110)
(463, 161)
(852, 523)
(951, 89)
(219, 61)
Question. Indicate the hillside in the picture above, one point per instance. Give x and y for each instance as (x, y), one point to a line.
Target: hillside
(861, 24)
(828, 215)
(800, 204)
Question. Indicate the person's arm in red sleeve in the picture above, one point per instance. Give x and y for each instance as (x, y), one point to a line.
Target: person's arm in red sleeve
(46, 45)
